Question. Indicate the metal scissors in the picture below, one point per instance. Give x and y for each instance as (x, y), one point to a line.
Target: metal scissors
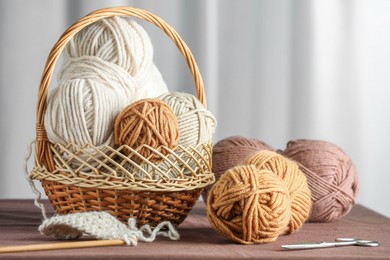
(336, 243)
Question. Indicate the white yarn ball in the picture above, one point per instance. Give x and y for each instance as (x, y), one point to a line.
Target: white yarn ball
(125, 43)
(83, 107)
(196, 124)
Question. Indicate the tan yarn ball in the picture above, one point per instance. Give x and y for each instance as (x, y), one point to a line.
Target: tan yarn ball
(147, 122)
(331, 176)
(295, 181)
(249, 205)
(230, 152)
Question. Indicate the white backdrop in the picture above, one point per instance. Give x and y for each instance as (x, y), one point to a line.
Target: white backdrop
(273, 70)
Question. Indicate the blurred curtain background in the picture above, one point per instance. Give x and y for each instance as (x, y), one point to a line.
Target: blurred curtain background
(273, 70)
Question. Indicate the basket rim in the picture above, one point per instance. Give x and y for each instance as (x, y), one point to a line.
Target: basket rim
(93, 177)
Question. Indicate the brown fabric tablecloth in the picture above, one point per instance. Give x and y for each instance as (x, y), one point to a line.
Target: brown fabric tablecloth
(19, 220)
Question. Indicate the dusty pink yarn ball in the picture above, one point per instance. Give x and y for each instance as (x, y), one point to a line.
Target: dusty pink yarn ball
(230, 152)
(331, 176)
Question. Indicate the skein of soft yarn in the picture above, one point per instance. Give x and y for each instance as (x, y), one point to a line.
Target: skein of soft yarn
(83, 107)
(123, 42)
(196, 124)
(230, 152)
(107, 66)
(331, 177)
(147, 122)
(248, 205)
(295, 181)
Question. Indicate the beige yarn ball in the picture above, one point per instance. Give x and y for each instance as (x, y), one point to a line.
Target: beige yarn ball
(107, 65)
(196, 123)
(123, 42)
(83, 107)
(148, 122)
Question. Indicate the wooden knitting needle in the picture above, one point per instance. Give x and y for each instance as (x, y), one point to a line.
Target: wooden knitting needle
(63, 245)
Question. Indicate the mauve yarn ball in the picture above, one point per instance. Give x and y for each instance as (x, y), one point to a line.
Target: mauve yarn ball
(331, 176)
(230, 152)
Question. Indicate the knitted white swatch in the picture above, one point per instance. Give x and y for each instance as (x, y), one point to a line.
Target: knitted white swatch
(102, 225)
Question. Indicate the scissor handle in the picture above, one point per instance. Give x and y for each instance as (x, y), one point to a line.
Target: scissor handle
(358, 242)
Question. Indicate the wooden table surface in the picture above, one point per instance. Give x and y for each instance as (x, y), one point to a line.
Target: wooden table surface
(19, 220)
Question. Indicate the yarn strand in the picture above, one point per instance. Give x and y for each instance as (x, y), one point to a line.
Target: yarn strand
(37, 199)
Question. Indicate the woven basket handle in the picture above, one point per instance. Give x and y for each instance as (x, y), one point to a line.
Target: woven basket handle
(78, 26)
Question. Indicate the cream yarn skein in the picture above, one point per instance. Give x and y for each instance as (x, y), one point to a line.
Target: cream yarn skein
(121, 41)
(107, 66)
(83, 107)
(196, 123)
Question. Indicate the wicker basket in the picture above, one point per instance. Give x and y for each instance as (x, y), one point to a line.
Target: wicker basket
(104, 178)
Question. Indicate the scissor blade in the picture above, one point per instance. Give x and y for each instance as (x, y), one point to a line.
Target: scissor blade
(308, 245)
